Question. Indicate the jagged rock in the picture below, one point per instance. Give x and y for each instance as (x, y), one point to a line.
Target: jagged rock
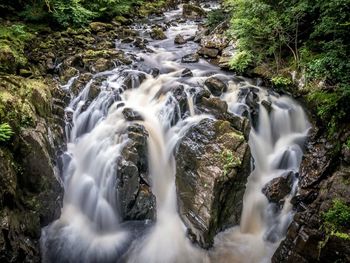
(306, 239)
(157, 33)
(216, 86)
(315, 163)
(131, 115)
(218, 108)
(278, 188)
(190, 58)
(212, 166)
(140, 42)
(215, 41)
(155, 72)
(186, 73)
(180, 40)
(135, 198)
(193, 11)
(133, 79)
(208, 52)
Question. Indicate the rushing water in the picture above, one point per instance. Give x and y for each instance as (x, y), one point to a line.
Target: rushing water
(90, 230)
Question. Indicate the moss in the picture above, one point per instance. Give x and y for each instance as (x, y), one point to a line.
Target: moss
(21, 100)
(336, 222)
(13, 39)
(149, 8)
(230, 161)
(338, 216)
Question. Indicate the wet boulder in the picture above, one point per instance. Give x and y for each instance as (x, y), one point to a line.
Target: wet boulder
(179, 39)
(186, 73)
(216, 86)
(208, 52)
(193, 11)
(131, 115)
(216, 41)
(212, 166)
(135, 198)
(190, 58)
(133, 79)
(278, 188)
(157, 33)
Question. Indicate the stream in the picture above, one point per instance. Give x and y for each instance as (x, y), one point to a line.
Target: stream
(90, 228)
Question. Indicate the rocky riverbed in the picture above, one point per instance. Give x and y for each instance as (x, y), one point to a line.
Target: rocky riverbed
(212, 157)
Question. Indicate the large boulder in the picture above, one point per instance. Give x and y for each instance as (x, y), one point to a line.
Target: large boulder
(135, 198)
(157, 33)
(217, 41)
(278, 188)
(208, 52)
(216, 86)
(212, 166)
(193, 11)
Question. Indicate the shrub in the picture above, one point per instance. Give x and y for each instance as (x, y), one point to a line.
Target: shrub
(281, 82)
(215, 17)
(241, 61)
(338, 216)
(5, 132)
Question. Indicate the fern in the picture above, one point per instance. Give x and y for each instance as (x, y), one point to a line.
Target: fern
(5, 132)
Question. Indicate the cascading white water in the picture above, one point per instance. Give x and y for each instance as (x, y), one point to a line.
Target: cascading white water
(89, 229)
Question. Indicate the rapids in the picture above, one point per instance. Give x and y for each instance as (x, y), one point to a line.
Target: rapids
(90, 229)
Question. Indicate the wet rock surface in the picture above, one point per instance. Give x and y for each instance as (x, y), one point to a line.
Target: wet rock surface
(278, 188)
(212, 163)
(323, 179)
(135, 198)
(190, 58)
(216, 86)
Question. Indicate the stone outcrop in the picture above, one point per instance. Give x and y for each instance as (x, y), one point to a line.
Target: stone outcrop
(323, 179)
(31, 193)
(135, 198)
(213, 163)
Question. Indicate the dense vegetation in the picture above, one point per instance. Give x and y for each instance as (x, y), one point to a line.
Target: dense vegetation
(68, 12)
(310, 38)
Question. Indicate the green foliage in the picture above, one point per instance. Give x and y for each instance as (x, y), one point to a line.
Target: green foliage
(348, 143)
(338, 216)
(71, 12)
(336, 222)
(12, 41)
(281, 82)
(309, 36)
(241, 61)
(215, 18)
(5, 132)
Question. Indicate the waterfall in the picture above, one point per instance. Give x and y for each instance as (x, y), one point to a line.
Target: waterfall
(90, 228)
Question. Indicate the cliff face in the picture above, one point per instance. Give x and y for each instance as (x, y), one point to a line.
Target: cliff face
(31, 192)
(320, 229)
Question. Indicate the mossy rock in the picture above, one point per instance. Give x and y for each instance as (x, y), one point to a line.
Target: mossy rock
(23, 100)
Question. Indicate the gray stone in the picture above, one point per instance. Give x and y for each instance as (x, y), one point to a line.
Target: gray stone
(212, 166)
